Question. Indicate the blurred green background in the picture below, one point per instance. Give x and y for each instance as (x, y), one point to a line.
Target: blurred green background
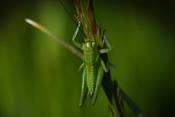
(39, 78)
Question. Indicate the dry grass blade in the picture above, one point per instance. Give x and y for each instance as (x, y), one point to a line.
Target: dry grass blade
(111, 114)
(64, 43)
(131, 104)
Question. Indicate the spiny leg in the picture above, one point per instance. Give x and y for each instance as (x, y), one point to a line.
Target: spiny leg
(102, 51)
(106, 69)
(84, 89)
(81, 66)
(106, 40)
(75, 34)
(98, 84)
(100, 74)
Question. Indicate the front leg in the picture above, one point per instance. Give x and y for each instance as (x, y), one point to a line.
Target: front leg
(75, 34)
(102, 51)
(84, 89)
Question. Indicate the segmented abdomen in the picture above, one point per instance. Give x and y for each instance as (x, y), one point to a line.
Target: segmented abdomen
(91, 73)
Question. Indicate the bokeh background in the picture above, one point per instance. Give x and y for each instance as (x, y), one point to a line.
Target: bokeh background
(39, 78)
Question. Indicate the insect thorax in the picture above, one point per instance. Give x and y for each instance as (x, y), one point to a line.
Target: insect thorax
(90, 53)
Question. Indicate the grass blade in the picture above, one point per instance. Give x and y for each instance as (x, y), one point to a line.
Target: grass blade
(61, 41)
(131, 104)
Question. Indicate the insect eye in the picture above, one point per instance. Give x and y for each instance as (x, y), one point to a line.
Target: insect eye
(93, 44)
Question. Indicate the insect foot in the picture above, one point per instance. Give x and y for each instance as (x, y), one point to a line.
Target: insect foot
(92, 103)
(112, 64)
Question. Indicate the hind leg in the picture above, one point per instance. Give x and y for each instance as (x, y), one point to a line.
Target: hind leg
(84, 89)
(98, 84)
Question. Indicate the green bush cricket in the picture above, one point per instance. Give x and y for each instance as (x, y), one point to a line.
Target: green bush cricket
(93, 67)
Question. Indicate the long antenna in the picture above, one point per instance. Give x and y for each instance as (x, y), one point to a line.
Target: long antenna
(71, 17)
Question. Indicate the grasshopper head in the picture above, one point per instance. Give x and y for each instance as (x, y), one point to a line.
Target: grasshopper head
(89, 45)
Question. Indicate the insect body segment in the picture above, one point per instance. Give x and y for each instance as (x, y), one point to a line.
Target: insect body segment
(93, 68)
